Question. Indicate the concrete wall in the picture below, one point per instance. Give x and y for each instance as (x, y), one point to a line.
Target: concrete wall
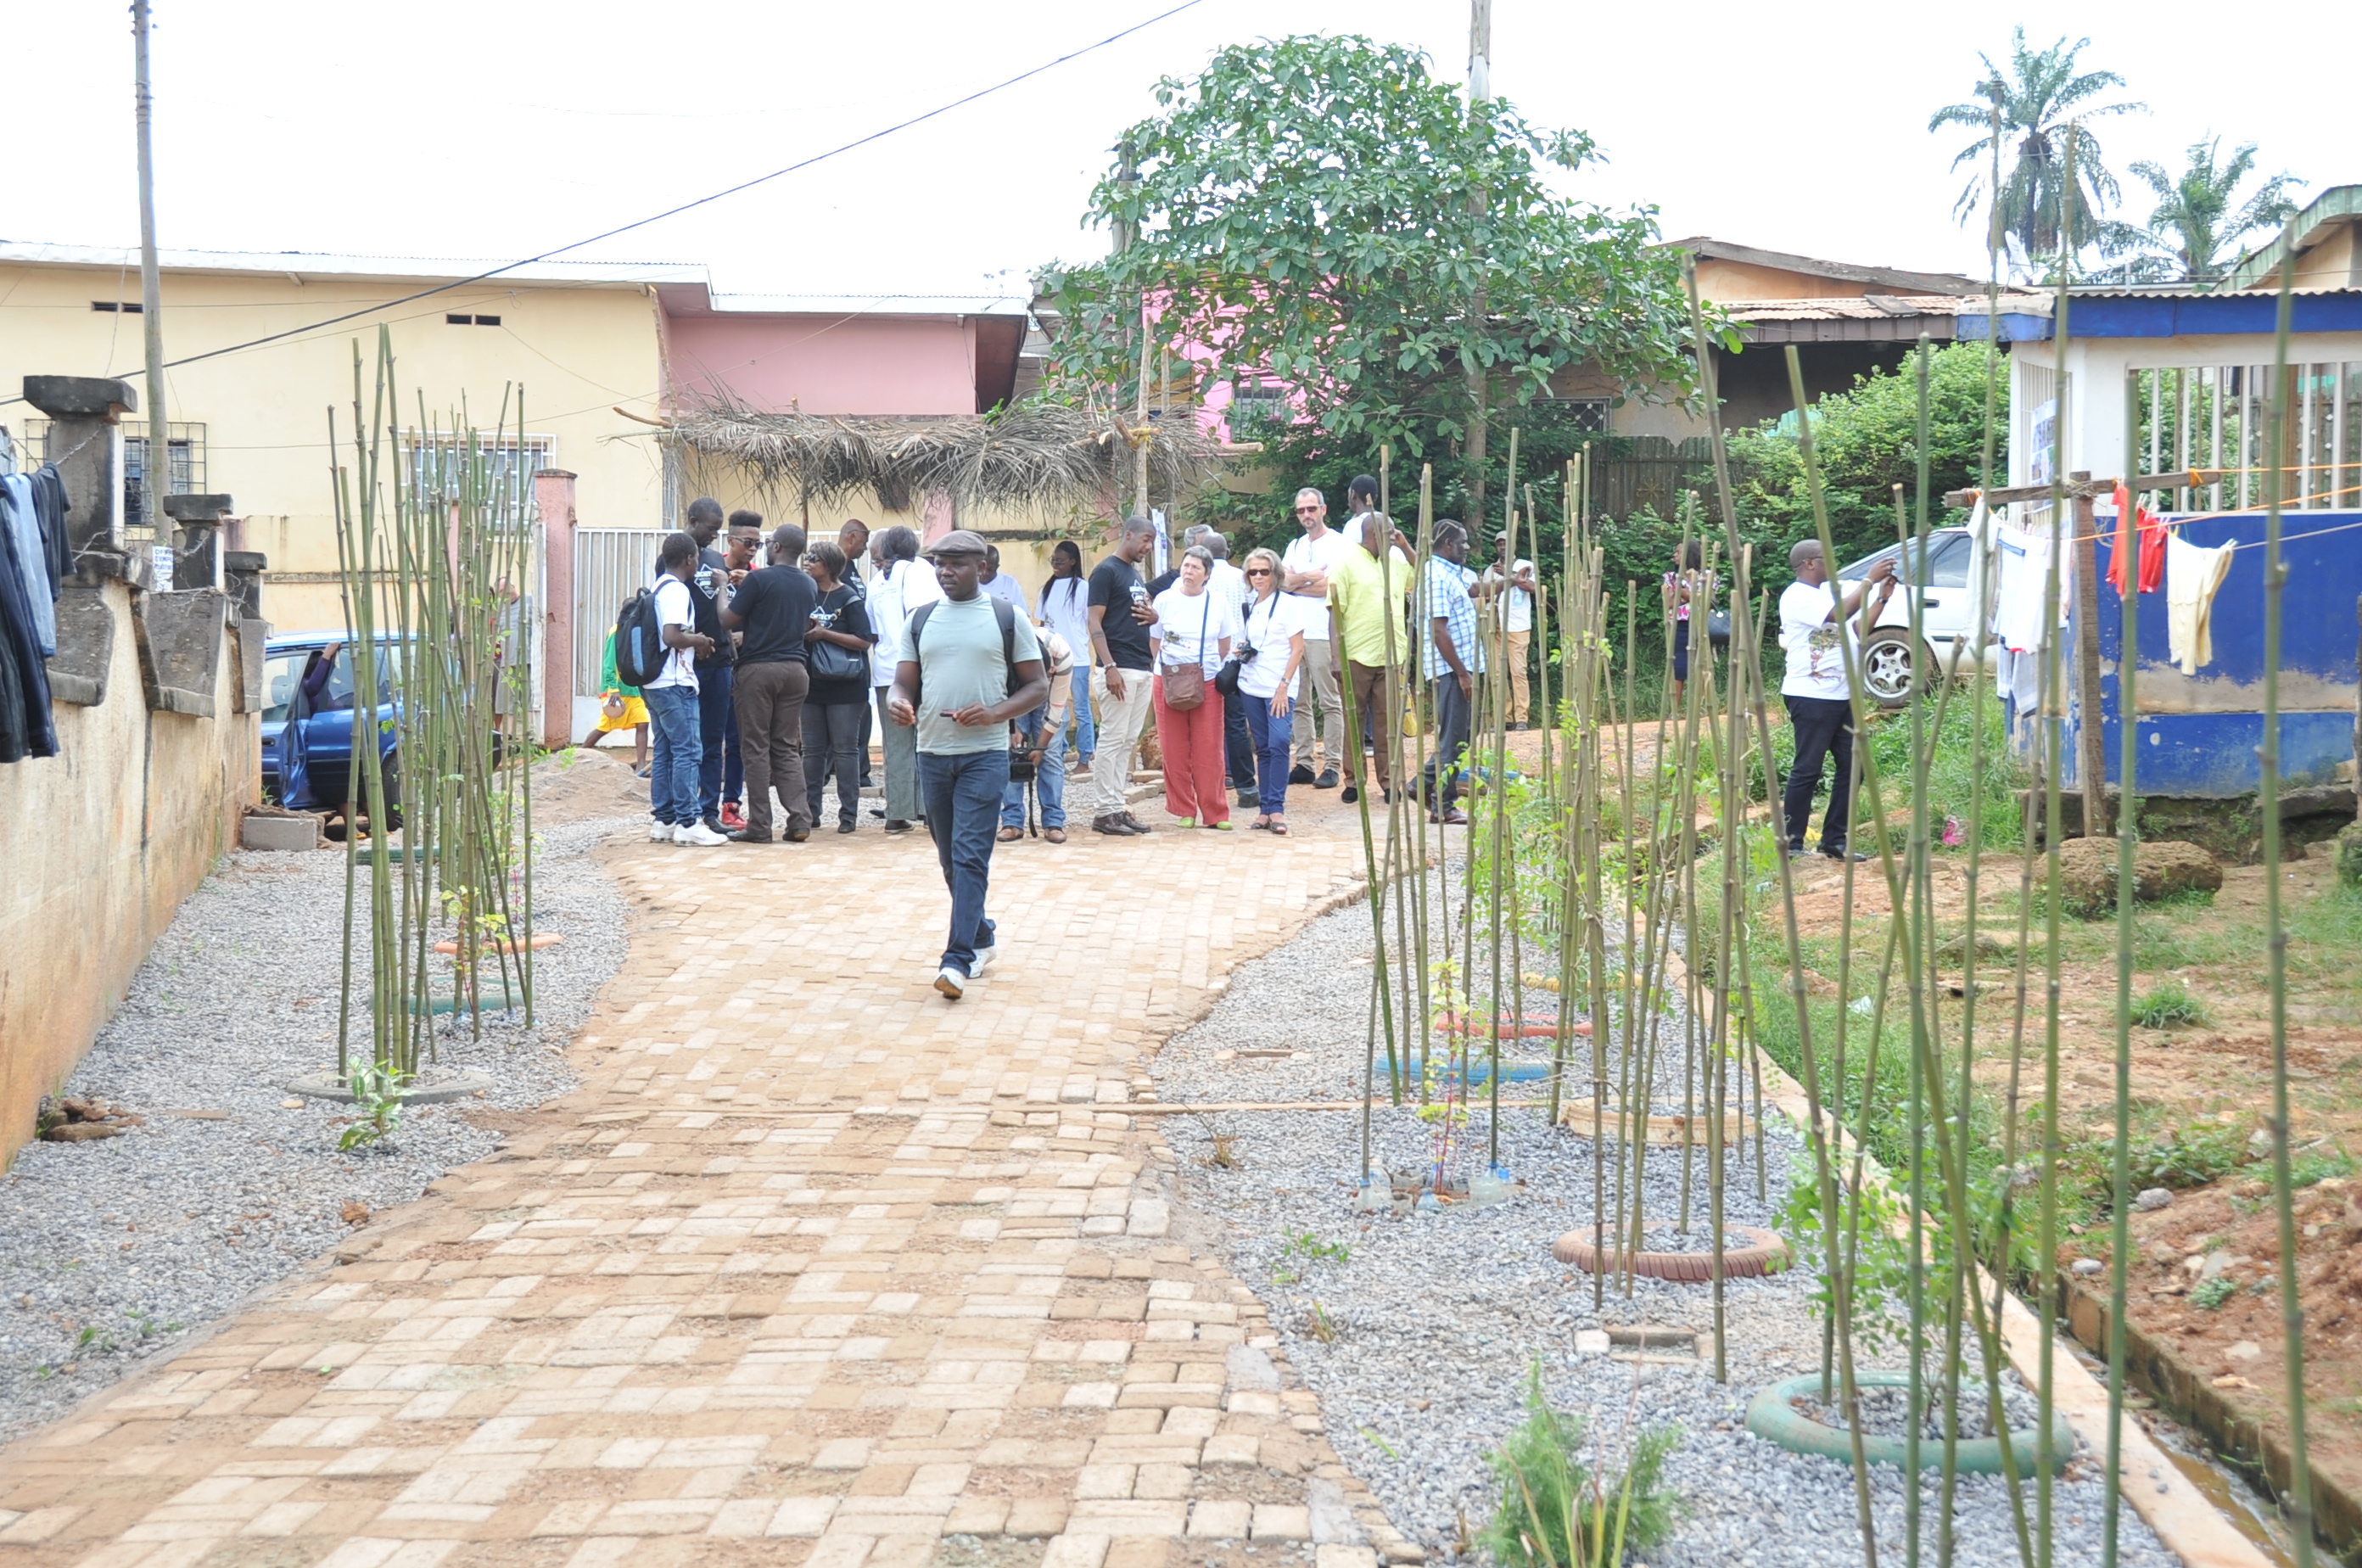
(822, 364)
(576, 349)
(102, 843)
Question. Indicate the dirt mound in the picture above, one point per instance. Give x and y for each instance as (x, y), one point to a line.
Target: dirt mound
(2087, 873)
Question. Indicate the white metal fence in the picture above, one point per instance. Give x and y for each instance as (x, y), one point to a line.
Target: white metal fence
(610, 564)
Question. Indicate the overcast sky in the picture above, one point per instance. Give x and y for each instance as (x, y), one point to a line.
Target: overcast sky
(491, 129)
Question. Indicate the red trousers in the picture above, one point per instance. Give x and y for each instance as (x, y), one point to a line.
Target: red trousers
(1191, 739)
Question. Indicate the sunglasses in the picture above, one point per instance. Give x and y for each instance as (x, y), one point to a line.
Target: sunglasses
(1258, 571)
(1305, 511)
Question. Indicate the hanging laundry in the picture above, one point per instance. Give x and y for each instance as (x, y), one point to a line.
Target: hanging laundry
(26, 727)
(49, 505)
(2152, 545)
(2024, 583)
(2192, 574)
(23, 523)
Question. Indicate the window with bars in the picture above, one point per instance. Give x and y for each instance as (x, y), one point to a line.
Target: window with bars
(440, 464)
(185, 445)
(1584, 414)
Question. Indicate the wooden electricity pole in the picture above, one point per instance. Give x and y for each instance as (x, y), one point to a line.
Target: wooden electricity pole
(1125, 232)
(1480, 92)
(157, 472)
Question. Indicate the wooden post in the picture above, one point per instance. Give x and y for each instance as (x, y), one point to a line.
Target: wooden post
(2090, 753)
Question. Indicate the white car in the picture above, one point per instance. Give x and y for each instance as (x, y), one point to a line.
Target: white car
(1891, 667)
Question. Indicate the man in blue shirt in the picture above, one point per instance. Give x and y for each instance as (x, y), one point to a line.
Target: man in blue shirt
(1452, 657)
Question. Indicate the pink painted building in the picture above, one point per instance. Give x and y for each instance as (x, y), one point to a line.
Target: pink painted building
(830, 354)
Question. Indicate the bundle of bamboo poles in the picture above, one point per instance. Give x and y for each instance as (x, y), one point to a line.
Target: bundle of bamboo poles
(435, 543)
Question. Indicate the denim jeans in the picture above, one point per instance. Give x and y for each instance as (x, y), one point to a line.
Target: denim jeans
(1271, 746)
(672, 776)
(1824, 729)
(1087, 727)
(1238, 741)
(1049, 779)
(713, 703)
(961, 793)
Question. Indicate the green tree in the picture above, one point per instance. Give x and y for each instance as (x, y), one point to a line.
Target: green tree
(2193, 232)
(1866, 442)
(2037, 98)
(1301, 213)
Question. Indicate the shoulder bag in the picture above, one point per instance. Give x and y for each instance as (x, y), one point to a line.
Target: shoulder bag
(834, 661)
(1185, 684)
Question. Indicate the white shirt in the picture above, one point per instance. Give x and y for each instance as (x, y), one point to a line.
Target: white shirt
(1306, 553)
(1231, 583)
(1065, 608)
(1816, 656)
(1004, 586)
(673, 609)
(1192, 626)
(1515, 605)
(894, 592)
(1269, 626)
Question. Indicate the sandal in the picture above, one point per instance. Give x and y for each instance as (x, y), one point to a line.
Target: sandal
(1279, 827)
(1053, 835)
(1011, 835)
(1222, 826)
(1185, 822)
(1261, 825)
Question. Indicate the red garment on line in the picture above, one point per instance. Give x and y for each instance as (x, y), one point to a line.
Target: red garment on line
(2152, 545)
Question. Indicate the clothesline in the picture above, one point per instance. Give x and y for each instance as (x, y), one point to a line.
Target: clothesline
(2176, 519)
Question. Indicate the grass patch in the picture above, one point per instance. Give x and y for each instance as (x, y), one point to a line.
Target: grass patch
(2169, 1006)
(2210, 1293)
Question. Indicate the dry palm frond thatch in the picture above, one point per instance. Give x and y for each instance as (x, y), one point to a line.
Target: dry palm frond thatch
(1037, 457)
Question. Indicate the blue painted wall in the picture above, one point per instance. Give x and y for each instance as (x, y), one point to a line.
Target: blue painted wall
(2212, 755)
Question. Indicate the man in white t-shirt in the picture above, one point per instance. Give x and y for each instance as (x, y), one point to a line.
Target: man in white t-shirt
(671, 699)
(1307, 561)
(1513, 600)
(1814, 624)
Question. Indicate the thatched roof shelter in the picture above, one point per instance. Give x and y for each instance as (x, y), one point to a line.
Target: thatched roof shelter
(1039, 456)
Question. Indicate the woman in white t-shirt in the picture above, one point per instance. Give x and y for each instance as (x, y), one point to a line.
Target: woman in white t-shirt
(1065, 608)
(1194, 629)
(1271, 650)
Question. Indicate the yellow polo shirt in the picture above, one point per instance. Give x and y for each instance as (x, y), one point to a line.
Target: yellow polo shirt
(1370, 597)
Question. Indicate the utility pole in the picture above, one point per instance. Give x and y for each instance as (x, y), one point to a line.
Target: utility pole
(157, 469)
(1125, 232)
(1480, 92)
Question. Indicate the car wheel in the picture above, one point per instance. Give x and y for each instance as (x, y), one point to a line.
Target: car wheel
(1890, 667)
(390, 774)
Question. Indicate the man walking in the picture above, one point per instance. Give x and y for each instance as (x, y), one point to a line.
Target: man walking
(1814, 630)
(706, 587)
(1119, 618)
(970, 664)
(1452, 658)
(1308, 562)
(1371, 582)
(774, 607)
(671, 699)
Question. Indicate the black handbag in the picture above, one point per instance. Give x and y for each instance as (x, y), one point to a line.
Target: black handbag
(834, 661)
(1717, 628)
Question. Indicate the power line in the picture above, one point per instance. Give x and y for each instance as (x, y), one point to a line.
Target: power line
(743, 185)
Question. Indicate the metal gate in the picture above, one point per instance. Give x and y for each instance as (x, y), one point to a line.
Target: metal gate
(610, 565)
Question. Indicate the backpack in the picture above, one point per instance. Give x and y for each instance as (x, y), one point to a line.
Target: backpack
(640, 651)
(1002, 611)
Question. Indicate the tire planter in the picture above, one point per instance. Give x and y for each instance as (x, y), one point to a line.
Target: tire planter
(508, 944)
(1765, 1254)
(1771, 1416)
(327, 1085)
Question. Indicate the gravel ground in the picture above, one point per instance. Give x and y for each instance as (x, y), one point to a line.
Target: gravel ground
(111, 1251)
(1439, 1317)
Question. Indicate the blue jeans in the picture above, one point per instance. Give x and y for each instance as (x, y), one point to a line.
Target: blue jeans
(961, 794)
(1049, 779)
(1271, 743)
(713, 718)
(1086, 729)
(672, 775)
(1238, 741)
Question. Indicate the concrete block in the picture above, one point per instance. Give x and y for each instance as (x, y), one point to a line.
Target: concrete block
(77, 670)
(250, 638)
(81, 397)
(286, 834)
(180, 639)
(1278, 1521)
(1219, 1520)
(1151, 1217)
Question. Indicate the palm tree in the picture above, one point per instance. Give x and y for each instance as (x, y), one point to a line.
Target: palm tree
(2035, 102)
(2193, 234)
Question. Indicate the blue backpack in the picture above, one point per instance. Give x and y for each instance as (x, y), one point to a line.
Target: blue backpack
(640, 651)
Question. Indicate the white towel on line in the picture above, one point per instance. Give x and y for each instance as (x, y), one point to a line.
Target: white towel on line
(2192, 574)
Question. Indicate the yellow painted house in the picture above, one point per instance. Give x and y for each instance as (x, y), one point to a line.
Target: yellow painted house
(579, 339)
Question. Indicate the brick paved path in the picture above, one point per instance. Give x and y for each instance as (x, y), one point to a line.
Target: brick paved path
(816, 1267)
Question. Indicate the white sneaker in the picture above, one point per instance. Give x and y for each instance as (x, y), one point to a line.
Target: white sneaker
(982, 961)
(696, 834)
(951, 983)
(660, 832)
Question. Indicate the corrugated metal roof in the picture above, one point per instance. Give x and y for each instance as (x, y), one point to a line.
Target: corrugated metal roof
(1873, 307)
(315, 264)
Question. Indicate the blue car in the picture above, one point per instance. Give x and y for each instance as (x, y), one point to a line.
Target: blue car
(327, 733)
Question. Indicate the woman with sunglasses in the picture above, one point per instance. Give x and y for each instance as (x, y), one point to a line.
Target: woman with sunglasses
(1270, 653)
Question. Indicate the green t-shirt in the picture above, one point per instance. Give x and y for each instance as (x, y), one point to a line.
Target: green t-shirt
(960, 663)
(1369, 597)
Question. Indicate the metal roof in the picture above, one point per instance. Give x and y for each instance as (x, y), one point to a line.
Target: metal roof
(1844, 272)
(2339, 203)
(322, 264)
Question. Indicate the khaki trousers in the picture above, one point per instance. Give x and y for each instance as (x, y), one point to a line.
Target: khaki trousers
(1377, 695)
(1320, 689)
(1521, 699)
(1121, 721)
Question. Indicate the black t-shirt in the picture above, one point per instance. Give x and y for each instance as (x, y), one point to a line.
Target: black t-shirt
(776, 603)
(1162, 580)
(846, 611)
(1116, 588)
(708, 606)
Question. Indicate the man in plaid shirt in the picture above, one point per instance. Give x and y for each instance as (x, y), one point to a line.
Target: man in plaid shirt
(1452, 657)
